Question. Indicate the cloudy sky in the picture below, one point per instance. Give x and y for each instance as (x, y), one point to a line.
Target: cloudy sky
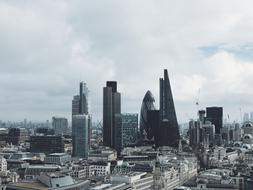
(47, 47)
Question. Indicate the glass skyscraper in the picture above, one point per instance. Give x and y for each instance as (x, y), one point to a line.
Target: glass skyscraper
(80, 135)
(146, 132)
(126, 130)
(81, 122)
(168, 119)
(215, 115)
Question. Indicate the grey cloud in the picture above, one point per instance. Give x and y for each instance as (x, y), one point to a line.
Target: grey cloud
(47, 47)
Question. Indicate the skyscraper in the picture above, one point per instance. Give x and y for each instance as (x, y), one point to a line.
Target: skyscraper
(80, 103)
(146, 132)
(111, 106)
(80, 135)
(168, 118)
(153, 119)
(60, 125)
(215, 115)
(81, 119)
(126, 130)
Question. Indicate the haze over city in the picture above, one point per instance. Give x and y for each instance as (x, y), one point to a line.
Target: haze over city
(47, 47)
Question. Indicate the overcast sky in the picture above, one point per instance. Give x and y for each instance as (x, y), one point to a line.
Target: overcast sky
(47, 47)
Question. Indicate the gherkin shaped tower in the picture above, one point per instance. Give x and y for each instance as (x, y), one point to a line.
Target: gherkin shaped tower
(146, 131)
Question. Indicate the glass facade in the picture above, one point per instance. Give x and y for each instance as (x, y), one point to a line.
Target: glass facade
(127, 130)
(80, 134)
(146, 131)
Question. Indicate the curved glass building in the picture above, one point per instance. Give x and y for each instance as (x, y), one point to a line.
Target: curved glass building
(146, 132)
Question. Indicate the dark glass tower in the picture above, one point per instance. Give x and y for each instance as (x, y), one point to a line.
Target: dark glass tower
(215, 115)
(111, 106)
(146, 132)
(153, 117)
(168, 118)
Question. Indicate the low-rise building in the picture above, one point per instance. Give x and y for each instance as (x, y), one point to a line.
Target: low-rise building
(58, 158)
(137, 180)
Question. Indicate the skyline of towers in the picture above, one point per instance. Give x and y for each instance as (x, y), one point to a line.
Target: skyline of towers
(146, 131)
(111, 106)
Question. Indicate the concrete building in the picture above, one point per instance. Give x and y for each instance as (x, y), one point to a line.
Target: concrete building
(51, 181)
(137, 180)
(103, 154)
(3, 165)
(101, 168)
(58, 159)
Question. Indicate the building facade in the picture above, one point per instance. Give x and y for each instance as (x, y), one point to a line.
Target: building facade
(168, 113)
(126, 130)
(80, 135)
(215, 115)
(146, 131)
(81, 118)
(47, 144)
(111, 106)
(60, 125)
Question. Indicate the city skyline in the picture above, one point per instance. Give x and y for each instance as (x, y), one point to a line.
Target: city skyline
(46, 53)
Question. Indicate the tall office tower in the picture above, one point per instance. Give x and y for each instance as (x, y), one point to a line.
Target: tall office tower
(60, 125)
(153, 119)
(80, 135)
(215, 115)
(168, 112)
(246, 117)
(111, 106)
(146, 132)
(126, 130)
(80, 105)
